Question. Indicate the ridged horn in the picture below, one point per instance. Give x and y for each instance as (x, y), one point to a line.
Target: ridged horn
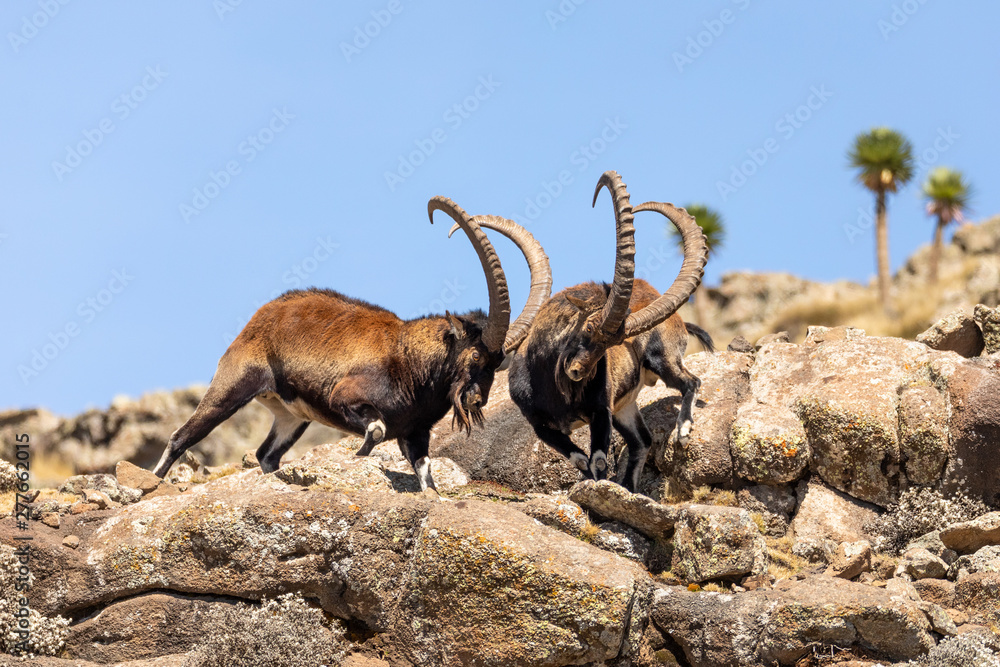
(688, 278)
(538, 265)
(616, 307)
(498, 320)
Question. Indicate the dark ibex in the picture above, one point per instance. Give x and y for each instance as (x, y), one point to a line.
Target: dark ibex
(586, 357)
(317, 355)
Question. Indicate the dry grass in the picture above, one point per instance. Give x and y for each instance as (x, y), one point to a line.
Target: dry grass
(225, 471)
(589, 531)
(758, 519)
(7, 502)
(706, 495)
(783, 564)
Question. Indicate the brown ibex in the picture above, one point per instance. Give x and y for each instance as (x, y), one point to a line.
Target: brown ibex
(317, 355)
(586, 357)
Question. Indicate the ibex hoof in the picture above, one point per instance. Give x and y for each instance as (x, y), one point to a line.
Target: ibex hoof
(376, 430)
(599, 466)
(580, 461)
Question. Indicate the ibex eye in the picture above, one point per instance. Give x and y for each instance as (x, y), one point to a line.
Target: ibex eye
(475, 355)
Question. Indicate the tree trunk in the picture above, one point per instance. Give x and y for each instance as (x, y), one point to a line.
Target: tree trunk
(936, 251)
(701, 306)
(882, 249)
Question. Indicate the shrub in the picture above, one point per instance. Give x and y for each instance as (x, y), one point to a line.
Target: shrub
(284, 632)
(920, 511)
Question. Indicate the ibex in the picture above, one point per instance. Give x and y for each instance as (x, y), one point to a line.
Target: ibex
(317, 355)
(586, 357)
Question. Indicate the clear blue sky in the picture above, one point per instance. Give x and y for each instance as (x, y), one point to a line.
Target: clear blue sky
(117, 115)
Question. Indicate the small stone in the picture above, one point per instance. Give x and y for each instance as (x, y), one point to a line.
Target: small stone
(957, 332)
(99, 498)
(131, 475)
(51, 519)
(71, 541)
(740, 344)
(780, 337)
(250, 459)
(851, 559)
(81, 507)
(899, 587)
(921, 564)
(939, 619)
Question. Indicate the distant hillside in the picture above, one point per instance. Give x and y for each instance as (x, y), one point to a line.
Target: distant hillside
(754, 304)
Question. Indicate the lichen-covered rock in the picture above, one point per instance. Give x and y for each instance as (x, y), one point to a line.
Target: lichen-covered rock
(784, 624)
(971, 536)
(921, 564)
(146, 626)
(956, 331)
(706, 458)
(825, 513)
(923, 432)
(713, 542)
(440, 580)
(851, 559)
(939, 591)
(497, 586)
(986, 559)
(979, 594)
(774, 503)
(613, 501)
(988, 320)
(9, 480)
(101, 482)
(932, 542)
(768, 445)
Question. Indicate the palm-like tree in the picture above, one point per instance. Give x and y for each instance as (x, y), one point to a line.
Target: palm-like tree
(884, 159)
(948, 195)
(712, 225)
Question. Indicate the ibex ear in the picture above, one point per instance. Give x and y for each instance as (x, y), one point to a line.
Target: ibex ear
(457, 326)
(582, 304)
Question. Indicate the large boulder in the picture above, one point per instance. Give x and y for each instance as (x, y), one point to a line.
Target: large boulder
(970, 536)
(825, 513)
(706, 458)
(784, 624)
(441, 581)
(712, 542)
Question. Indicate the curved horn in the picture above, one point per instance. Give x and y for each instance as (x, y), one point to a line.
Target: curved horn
(538, 265)
(688, 278)
(498, 320)
(616, 307)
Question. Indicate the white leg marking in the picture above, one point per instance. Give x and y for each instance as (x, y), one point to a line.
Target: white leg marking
(579, 460)
(599, 465)
(377, 430)
(423, 469)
